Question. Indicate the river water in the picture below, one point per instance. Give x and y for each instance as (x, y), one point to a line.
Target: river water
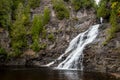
(50, 74)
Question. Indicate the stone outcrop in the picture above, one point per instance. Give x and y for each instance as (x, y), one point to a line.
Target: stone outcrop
(98, 57)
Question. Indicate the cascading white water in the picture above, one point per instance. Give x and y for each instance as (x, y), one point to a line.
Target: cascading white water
(76, 47)
(75, 50)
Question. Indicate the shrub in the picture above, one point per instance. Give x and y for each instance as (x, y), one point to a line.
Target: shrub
(87, 3)
(60, 9)
(37, 25)
(102, 10)
(51, 37)
(76, 4)
(34, 3)
(18, 31)
(38, 28)
(5, 16)
(2, 51)
(114, 27)
(113, 21)
(43, 46)
(35, 45)
(44, 33)
(46, 15)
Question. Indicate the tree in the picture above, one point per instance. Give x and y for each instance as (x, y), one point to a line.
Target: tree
(18, 31)
(27, 14)
(34, 3)
(37, 25)
(5, 13)
(46, 15)
(77, 4)
(60, 9)
(37, 28)
(87, 3)
(102, 9)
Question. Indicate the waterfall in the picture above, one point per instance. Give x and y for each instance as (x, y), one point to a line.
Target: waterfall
(74, 60)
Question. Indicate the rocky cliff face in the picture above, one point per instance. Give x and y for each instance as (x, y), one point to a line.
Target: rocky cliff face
(98, 57)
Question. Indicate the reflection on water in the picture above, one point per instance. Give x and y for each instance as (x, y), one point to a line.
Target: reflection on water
(50, 74)
(73, 75)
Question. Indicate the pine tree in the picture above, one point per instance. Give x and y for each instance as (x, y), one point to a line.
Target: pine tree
(102, 10)
(46, 15)
(27, 14)
(5, 13)
(87, 3)
(18, 31)
(37, 28)
(34, 3)
(77, 4)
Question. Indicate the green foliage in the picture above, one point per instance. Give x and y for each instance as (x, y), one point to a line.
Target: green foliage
(27, 15)
(46, 15)
(113, 21)
(51, 37)
(60, 9)
(102, 10)
(2, 51)
(14, 6)
(43, 46)
(37, 25)
(37, 28)
(77, 4)
(87, 3)
(44, 33)
(5, 13)
(82, 4)
(35, 46)
(34, 3)
(18, 31)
